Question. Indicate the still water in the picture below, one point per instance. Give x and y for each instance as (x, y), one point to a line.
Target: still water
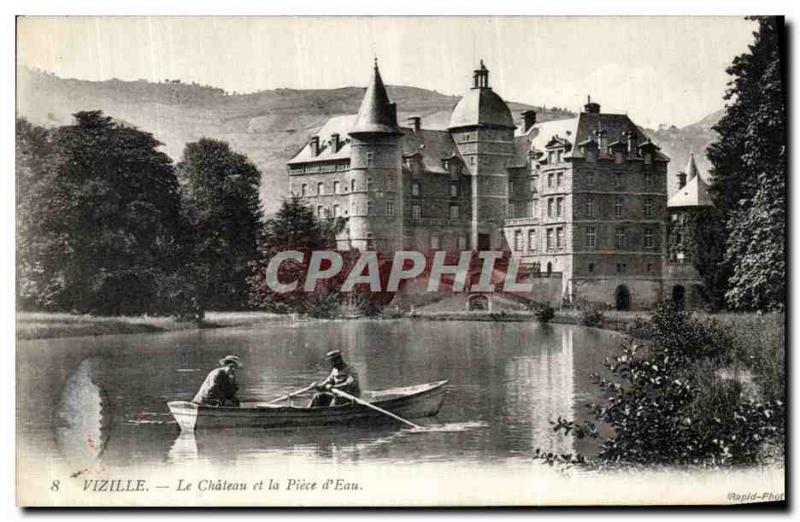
(102, 400)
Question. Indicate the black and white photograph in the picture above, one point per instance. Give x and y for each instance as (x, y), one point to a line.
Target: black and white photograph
(400, 261)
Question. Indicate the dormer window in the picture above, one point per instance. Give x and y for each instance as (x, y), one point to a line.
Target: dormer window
(648, 158)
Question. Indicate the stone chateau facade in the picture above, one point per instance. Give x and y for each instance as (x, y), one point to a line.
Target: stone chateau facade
(583, 199)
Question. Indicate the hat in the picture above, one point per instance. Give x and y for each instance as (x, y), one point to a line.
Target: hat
(231, 359)
(333, 355)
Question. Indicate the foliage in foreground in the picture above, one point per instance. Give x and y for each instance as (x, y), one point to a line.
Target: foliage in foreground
(668, 403)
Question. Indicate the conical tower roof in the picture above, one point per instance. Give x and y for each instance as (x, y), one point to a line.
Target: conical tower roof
(691, 168)
(376, 114)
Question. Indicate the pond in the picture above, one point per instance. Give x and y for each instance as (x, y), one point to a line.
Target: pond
(103, 399)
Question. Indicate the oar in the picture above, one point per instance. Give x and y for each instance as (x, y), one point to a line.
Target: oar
(290, 395)
(369, 405)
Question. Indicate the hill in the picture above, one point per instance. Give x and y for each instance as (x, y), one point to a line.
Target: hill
(268, 126)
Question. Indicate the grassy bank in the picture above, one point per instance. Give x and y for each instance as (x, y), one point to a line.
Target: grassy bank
(40, 325)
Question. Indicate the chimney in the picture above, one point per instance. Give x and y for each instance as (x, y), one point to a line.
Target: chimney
(681, 180)
(335, 142)
(633, 139)
(314, 145)
(415, 122)
(528, 120)
(602, 142)
(591, 107)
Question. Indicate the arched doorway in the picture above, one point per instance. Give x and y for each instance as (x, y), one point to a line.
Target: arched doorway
(622, 298)
(478, 302)
(679, 296)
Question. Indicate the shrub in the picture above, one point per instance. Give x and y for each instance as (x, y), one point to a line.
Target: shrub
(667, 404)
(544, 313)
(590, 315)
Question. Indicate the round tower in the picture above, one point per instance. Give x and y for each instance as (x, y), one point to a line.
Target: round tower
(376, 199)
(483, 131)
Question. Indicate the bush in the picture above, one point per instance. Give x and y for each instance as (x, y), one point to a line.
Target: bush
(544, 313)
(590, 315)
(667, 403)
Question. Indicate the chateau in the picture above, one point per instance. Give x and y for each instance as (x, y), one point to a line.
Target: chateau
(582, 201)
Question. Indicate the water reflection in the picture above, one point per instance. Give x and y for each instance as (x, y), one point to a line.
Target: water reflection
(507, 382)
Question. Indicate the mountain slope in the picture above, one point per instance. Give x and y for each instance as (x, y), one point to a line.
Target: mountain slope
(268, 126)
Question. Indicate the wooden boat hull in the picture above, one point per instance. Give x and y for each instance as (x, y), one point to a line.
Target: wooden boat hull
(424, 400)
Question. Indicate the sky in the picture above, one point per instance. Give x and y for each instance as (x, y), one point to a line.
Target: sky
(656, 69)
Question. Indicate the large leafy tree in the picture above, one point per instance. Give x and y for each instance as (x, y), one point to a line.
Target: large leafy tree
(749, 168)
(220, 194)
(101, 227)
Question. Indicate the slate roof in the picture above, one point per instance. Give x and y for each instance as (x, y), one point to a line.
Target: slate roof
(337, 124)
(693, 194)
(376, 114)
(481, 106)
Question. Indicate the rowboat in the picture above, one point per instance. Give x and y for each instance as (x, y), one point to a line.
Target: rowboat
(409, 402)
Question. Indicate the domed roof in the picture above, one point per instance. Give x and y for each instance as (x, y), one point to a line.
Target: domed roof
(481, 106)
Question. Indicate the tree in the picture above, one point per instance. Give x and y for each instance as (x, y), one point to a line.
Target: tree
(36, 249)
(294, 227)
(749, 169)
(102, 231)
(220, 198)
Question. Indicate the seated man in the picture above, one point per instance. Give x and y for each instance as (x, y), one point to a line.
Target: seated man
(219, 388)
(342, 377)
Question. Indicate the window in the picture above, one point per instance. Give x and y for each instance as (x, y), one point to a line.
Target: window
(619, 157)
(532, 240)
(649, 241)
(590, 178)
(591, 267)
(370, 241)
(550, 180)
(590, 207)
(648, 177)
(370, 157)
(649, 267)
(389, 183)
(472, 160)
(370, 208)
(618, 206)
(549, 240)
(304, 189)
(551, 156)
(619, 179)
(558, 155)
(648, 158)
(560, 238)
(511, 187)
(620, 238)
(337, 187)
(453, 211)
(353, 185)
(369, 184)
(415, 189)
(559, 207)
(621, 268)
(550, 207)
(416, 212)
(511, 210)
(591, 236)
(518, 240)
(534, 184)
(336, 211)
(320, 210)
(390, 208)
(462, 242)
(320, 188)
(453, 190)
(648, 207)
(559, 179)
(535, 208)
(435, 242)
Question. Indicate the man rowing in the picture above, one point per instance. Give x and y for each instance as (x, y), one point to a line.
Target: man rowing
(219, 388)
(343, 377)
